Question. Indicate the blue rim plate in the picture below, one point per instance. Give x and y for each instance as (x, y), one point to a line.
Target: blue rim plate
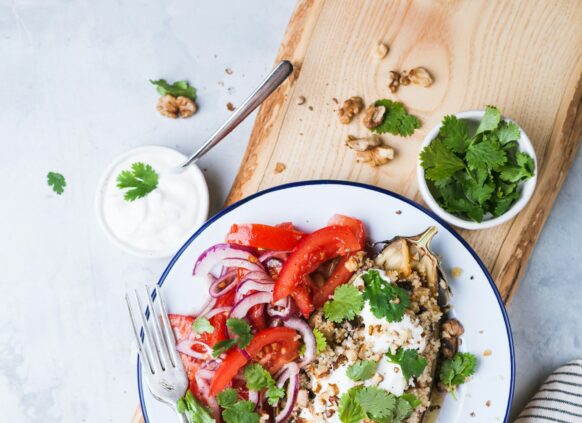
(482, 326)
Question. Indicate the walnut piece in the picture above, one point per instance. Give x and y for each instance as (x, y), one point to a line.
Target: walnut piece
(374, 116)
(404, 78)
(351, 107)
(377, 156)
(380, 50)
(172, 107)
(280, 167)
(420, 76)
(393, 81)
(300, 100)
(363, 143)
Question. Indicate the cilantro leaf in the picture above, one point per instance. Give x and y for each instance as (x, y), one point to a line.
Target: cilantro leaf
(439, 162)
(56, 181)
(486, 154)
(142, 179)
(345, 304)
(227, 398)
(377, 403)
(454, 134)
(403, 410)
(411, 363)
(411, 399)
(320, 341)
(350, 410)
(202, 325)
(258, 378)
(508, 131)
(235, 411)
(386, 299)
(241, 328)
(195, 411)
(396, 120)
(177, 89)
(362, 370)
(490, 120)
(457, 370)
(223, 346)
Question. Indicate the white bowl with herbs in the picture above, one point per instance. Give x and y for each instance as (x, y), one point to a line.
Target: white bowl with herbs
(477, 169)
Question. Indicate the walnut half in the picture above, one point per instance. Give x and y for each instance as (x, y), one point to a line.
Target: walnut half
(172, 107)
(420, 76)
(374, 116)
(377, 156)
(351, 107)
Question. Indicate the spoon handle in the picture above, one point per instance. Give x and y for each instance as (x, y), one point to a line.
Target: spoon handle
(270, 84)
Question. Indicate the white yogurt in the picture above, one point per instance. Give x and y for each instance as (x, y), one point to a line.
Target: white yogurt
(159, 223)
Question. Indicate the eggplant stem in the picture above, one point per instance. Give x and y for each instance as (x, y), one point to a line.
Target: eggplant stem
(426, 237)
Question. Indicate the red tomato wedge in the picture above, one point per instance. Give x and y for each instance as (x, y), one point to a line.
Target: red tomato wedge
(310, 252)
(340, 274)
(302, 296)
(280, 238)
(272, 347)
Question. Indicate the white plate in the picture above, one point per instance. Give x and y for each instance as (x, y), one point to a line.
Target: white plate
(476, 301)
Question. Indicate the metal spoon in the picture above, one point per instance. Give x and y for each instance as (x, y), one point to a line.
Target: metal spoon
(260, 94)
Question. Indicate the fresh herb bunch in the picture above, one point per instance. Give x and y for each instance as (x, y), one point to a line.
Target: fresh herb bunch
(457, 370)
(472, 176)
(141, 179)
(177, 89)
(376, 404)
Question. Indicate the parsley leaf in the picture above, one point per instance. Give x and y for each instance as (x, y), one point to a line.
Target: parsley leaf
(257, 379)
(56, 181)
(396, 120)
(350, 410)
(320, 341)
(386, 299)
(362, 370)
(490, 120)
(239, 327)
(439, 162)
(411, 363)
(202, 325)
(195, 411)
(457, 370)
(177, 89)
(345, 304)
(142, 179)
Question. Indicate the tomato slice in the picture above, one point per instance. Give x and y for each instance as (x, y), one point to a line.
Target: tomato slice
(310, 252)
(220, 332)
(340, 274)
(260, 347)
(302, 296)
(257, 318)
(265, 237)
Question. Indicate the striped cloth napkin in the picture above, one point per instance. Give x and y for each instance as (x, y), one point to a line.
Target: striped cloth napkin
(559, 399)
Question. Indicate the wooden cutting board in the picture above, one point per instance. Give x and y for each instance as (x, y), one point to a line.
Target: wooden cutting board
(525, 56)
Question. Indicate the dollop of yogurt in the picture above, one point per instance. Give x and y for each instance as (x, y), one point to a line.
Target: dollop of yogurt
(159, 223)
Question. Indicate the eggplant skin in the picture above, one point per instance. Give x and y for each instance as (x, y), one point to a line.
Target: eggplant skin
(410, 261)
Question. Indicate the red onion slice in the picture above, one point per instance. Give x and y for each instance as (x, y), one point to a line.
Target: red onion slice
(280, 255)
(185, 347)
(254, 397)
(217, 310)
(305, 331)
(290, 372)
(250, 285)
(241, 308)
(208, 307)
(241, 263)
(259, 276)
(281, 309)
(216, 290)
(211, 257)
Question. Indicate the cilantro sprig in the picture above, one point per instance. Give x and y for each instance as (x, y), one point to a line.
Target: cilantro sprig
(375, 404)
(244, 335)
(345, 304)
(320, 341)
(457, 370)
(362, 370)
(258, 378)
(411, 363)
(235, 411)
(195, 411)
(56, 181)
(141, 179)
(396, 120)
(177, 89)
(385, 299)
(474, 176)
(202, 325)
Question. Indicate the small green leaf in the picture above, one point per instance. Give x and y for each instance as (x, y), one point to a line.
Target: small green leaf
(396, 120)
(177, 89)
(56, 181)
(490, 119)
(142, 179)
(345, 304)
(439, 162)
(362, 370)
(385, 299)
(320, 341)
(411, 363)
(202, 325)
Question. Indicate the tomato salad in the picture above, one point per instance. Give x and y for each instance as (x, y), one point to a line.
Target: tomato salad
(244, 351)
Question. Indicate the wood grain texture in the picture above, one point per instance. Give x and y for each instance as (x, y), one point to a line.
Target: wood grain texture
(523, 56)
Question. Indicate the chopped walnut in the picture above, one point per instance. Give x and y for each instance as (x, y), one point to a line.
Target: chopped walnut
(420, 76)
(280, 167)
(393, 81)
(173, 107)
(300, 100)
(404, 78)
(377, 156)
(380, 50)
(230, 107)
(363, 143)
(355, 261)
(374, 116)
(351, 107)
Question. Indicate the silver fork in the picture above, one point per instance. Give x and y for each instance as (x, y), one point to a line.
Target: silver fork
(161, 364)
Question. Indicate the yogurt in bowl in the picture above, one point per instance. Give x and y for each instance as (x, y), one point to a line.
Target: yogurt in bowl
(156, 225)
